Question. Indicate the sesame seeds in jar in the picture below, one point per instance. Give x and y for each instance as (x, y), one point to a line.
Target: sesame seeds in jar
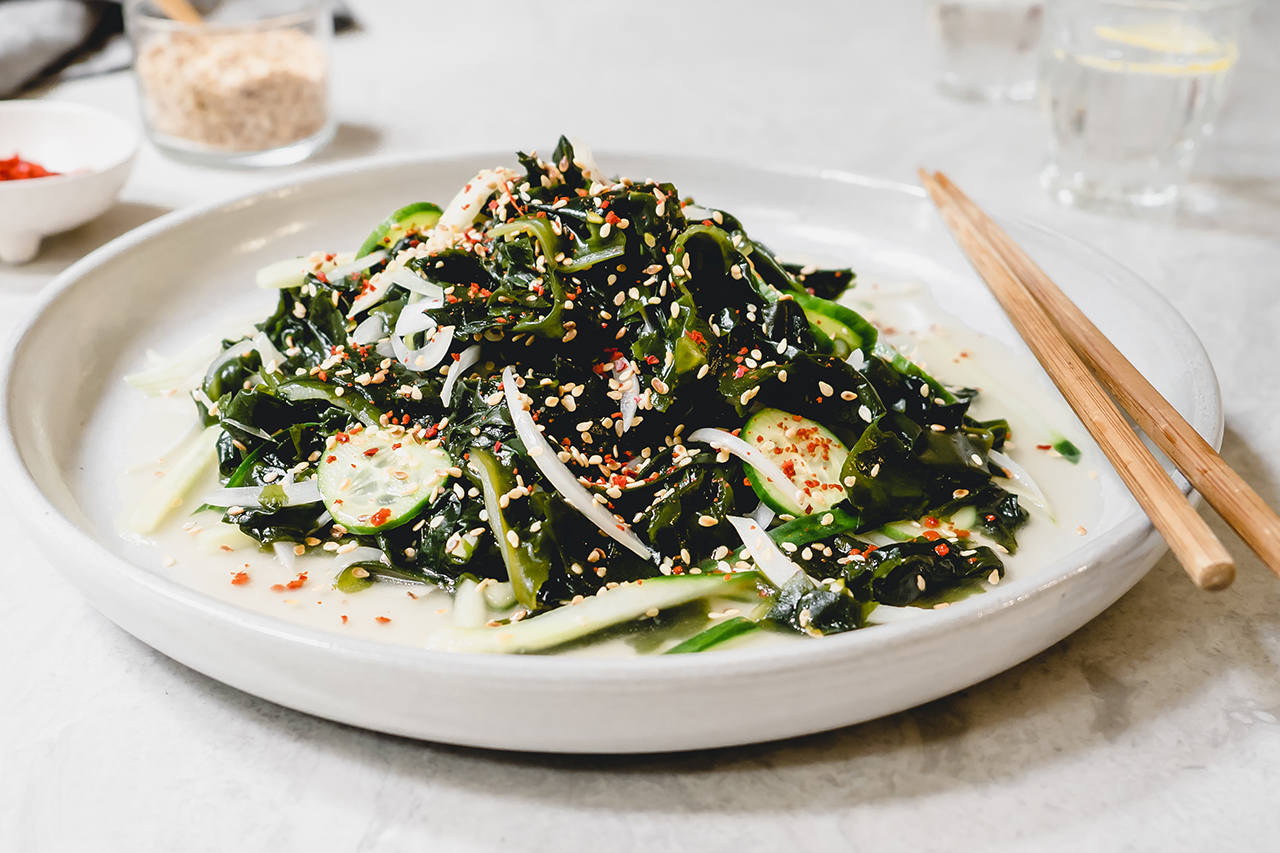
(246, 94)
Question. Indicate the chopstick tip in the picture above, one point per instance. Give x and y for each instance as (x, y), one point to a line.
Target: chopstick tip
(1217, 576)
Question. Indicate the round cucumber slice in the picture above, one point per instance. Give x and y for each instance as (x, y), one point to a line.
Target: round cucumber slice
(371, 480)
(421, 217)
(806, 451)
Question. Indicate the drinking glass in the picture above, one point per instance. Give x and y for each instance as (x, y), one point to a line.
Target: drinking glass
(248, 87)
(1130, 90)
(989, 47)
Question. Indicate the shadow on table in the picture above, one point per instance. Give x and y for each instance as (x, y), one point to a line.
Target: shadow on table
(349, 141)
(1246, 206)
(62, 250)
(1144, 660)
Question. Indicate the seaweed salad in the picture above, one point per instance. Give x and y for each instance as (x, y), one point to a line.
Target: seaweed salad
(588, 406)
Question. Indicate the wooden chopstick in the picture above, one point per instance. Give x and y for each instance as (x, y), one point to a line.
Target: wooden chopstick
(1225, 490)
(180, 10)
(1189, 537)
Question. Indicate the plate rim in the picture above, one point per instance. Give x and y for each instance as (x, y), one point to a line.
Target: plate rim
(36, 508)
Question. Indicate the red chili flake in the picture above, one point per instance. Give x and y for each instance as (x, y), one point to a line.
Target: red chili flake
(372, 451)
(941, 549)
(341, 437)
(740, 372)
(697, 338)
(1044, 447)
(324, 377)
(651, 359)
(380, 517)
(930, 521)
(297, 582)
(382, 619)
(963, 534)
(612, 218)
(331, 459)
(277, 587)
(240, 579)
(344, 620)
(397, 445)
(431, 431)
(414, 243)
(932, 535)
(990, 518)
(357, 429)
(17, 169)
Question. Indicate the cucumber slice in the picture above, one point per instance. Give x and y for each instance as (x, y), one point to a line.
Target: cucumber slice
(372, 481)
(421, 217)
(806, 451)
(846, 328)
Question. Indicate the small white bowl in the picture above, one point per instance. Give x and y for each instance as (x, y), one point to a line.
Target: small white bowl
(91, 148)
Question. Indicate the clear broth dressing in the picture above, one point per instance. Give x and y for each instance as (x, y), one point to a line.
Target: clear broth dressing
(199, 551)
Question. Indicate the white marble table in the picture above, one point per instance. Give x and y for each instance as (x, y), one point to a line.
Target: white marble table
(1154, 727)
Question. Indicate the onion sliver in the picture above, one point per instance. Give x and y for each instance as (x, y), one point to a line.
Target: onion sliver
(573, 492)
(285, 554)
(768, 557)
(358, 265)
(763, 515)
(362, 554)
(415, 283)
(429, 356)
(413, 319)
(272, 359)
(469, 356)
(1018, 475)
(251, 430)
(764, 466)
(371, 329)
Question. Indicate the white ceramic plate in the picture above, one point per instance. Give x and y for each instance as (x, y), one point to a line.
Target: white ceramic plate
(64, 405)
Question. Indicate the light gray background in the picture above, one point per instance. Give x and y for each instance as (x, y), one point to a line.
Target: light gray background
(1154, 727)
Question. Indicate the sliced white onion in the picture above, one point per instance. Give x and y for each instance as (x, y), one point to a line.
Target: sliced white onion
(414, 318)
(284, 553)
(251, 430)
(763, 515)
(200, 397)
(630, 396)
(428, 356)
(886, 614)
(768, 557)
(296, 494)
(387, 348)
(857, 360)
(694, 213)
(1027, 487)
(764, 466)
(371, 328)
(573, 492)
(466, 207)
(236, 350)
(466, 359)
(586, 161)
(272, 359)
(415, 283)
(358, 265)
(361, 554)
(292, 272)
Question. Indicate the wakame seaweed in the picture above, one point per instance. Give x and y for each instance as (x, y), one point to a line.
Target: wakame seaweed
(631, 318)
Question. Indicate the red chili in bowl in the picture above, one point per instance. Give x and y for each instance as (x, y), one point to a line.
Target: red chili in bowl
(16, 169)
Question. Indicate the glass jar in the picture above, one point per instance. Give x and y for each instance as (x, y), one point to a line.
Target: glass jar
(248, 87)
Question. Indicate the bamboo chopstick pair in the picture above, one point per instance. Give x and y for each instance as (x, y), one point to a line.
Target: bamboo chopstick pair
(1073, 351)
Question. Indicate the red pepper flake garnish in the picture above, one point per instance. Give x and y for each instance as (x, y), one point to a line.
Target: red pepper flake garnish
(382, 619)
(324, 377)
(1044, 447)
(17, 169)
(331, 459)
(740, 372)
(930, 521)
(932, 535)
(651, 359)
(344, 619)
(277, 587)
(372, 451)
(240, 579)
(341, 437)
(380, 517)
(941, 549)
(297, 582)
